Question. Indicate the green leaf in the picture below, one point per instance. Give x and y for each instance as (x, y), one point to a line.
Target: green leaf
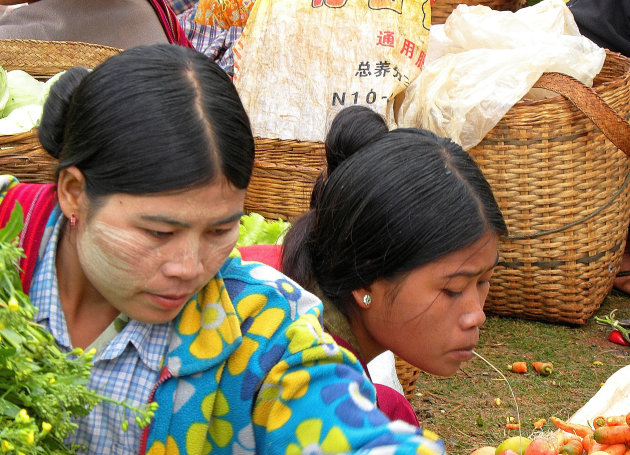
(14, 338)
(13, 227)
(256, 230)
(8, 409)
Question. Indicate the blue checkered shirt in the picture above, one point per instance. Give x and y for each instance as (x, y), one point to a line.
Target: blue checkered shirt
(215, 42)
(126, 369)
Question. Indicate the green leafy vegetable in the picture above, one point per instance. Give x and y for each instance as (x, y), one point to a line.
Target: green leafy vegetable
(255, 229)
(46, 89)
(24, 90)
(22, 98)
(41, 388)
(21, 119)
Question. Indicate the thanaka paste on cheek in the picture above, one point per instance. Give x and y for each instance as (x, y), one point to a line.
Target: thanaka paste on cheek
(110, 258)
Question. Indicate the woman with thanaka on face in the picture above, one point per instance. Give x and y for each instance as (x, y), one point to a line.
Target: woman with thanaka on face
(136, 261)
(400, 243)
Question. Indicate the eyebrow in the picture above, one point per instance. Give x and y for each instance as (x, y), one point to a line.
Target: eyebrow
(474, 272)
(180, 224)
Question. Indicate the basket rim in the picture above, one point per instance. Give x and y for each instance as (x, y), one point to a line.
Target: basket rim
(56, 43)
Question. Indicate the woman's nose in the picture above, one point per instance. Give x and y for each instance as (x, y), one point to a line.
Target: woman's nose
(186, 263)
(474, 316)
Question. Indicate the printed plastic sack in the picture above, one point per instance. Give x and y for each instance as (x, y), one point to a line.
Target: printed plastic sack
(481, 62)
(300, 61)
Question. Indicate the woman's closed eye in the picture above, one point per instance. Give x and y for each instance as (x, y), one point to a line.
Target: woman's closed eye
(451, 293)
(223, 230)
(158, 234)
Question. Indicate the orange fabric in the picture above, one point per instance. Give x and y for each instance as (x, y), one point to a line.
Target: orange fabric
(223, 13)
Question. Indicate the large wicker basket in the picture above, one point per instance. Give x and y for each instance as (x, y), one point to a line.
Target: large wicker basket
(563, 188)
(21, 154)
(441, 9)
(560, 182)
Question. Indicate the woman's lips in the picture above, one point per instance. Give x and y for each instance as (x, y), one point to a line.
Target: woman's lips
(463, 353)
(169, 302)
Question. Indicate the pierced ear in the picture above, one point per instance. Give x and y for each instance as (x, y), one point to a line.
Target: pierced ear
(71, 191)
(362, 298)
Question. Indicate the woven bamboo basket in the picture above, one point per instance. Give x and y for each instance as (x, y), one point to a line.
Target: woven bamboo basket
(408, 376)
(441, 9)
(562, 186)
(21, 154)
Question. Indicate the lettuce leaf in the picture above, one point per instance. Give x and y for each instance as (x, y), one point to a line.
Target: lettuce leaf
(254, 229)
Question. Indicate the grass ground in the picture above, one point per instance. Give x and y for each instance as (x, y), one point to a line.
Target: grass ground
(463, 409)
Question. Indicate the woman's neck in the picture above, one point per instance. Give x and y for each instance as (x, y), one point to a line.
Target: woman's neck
(86, 311)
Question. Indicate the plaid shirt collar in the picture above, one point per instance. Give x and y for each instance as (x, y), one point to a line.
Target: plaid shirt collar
(45, 296)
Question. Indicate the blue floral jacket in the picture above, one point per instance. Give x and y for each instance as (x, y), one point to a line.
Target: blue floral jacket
(250, 370)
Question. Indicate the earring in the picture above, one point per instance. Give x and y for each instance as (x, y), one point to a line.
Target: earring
(367, 300)
(73, 221)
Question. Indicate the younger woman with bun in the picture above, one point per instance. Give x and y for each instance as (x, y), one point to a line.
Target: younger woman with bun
(400, 243)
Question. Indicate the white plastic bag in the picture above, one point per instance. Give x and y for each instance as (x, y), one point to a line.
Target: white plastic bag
(612, 399)
(382, 370)
(481, 62)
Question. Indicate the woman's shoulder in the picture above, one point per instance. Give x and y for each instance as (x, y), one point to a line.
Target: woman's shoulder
(247, 279)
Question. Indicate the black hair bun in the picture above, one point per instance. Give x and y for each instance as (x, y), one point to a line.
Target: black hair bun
(351, 129)
(53, 121)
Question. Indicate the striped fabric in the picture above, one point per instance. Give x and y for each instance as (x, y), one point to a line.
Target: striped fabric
(171, 25)
(37, 202)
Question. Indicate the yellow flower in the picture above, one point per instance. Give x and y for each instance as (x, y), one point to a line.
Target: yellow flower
(6, 446)
(46, 427)
(308, 435)
(256, 321)
(207, 317)
(158, 448)
(13, 304)
(306, 335)
(271, 409)
(22, 416)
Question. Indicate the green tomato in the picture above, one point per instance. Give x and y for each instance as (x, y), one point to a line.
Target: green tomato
(516, 443)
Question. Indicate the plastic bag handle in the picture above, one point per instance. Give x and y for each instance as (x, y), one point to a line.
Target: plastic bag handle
(614, 127)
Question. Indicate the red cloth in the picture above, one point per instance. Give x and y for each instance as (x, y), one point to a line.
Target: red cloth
(267, 254)
(37, 201)
(172, 28)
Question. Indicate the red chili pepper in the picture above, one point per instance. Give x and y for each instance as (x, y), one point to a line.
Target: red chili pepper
(616, 337)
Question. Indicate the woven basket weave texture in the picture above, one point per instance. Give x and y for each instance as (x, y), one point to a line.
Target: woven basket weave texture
(561, 185)
(563, 189)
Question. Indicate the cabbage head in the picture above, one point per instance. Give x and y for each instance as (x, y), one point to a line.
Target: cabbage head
(21, 119)
(24, 90)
